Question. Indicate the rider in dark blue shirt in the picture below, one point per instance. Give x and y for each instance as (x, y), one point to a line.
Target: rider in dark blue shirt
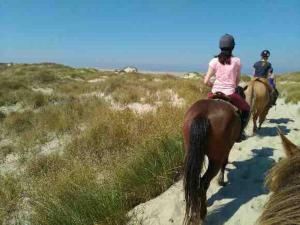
(264, 69)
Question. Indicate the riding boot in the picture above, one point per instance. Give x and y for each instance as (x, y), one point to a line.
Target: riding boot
(244, 120)
(275, 96)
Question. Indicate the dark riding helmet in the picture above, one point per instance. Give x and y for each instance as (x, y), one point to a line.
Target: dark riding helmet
(265, 53)
(227, 42)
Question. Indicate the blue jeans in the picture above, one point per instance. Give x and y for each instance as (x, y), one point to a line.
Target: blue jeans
(272, 83)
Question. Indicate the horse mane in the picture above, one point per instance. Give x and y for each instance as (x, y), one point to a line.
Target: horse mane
(283, 206)
(285, 173)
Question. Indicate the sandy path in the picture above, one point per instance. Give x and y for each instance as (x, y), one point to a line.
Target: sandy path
(241, 201)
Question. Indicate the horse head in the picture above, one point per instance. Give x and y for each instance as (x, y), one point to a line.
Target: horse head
(289, 147)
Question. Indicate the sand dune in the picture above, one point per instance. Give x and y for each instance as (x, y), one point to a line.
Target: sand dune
(241, 201)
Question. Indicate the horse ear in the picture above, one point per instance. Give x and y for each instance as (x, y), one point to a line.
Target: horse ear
(290, 148)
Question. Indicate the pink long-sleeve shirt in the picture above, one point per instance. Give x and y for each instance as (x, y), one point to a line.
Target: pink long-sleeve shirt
(226, 75)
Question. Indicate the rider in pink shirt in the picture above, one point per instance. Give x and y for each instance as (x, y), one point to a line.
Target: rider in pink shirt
(227, 71)
(227, 75)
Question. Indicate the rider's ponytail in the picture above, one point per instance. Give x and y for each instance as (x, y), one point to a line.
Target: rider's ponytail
(225, 56)
(264, 61)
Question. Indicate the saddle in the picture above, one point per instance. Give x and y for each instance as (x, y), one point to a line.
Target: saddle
(219, 96)
(264, 81)
(272, 92)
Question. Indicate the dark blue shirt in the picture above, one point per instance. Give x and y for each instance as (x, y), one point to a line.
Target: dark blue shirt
(262, 69)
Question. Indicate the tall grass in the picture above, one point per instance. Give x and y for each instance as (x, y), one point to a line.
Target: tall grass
(10, 192)
(114, 160)
(288, 86)
(157, 167)
(137, 156)
(76, 197)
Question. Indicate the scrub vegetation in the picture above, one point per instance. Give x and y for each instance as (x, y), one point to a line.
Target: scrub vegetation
(82, 146)
(288, 85)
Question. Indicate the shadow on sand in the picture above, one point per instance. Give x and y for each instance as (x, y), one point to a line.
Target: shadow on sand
(272, 131)
(281, 120)
(245, 183)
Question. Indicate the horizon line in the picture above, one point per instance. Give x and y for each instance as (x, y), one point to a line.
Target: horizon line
(142, 69)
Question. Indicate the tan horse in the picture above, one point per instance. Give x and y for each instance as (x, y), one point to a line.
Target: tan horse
(258, 97)
(283, 180)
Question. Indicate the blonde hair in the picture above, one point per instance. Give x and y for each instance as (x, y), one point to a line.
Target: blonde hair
(264, 61)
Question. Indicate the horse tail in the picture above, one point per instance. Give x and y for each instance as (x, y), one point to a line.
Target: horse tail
(250, 95)
(194, 160)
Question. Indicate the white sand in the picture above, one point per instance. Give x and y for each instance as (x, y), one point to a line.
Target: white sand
(11, 163)
(241, 201)
(12, 108)
(45, 91)
(97, 80)
(137, 107)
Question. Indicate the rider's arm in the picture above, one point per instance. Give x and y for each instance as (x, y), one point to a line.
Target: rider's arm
(270, 72)
(273, 78)
(209, 74)
(238, 77)
(254, 69)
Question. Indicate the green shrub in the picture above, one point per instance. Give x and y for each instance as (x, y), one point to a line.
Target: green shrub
(4, 151)
(11, 85)
(109, 133)
(19, 122)
(42, 165)
(10, 193)
(75, 198)
(288, 86)
(152, 171)
(38, 100)
(46, 77)
(2, 116)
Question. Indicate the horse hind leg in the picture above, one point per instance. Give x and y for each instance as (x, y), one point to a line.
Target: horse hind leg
(211, 172)
(255, 116)
(262, 117)
(221, 181)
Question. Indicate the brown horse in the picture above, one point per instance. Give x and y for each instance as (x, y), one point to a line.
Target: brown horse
(210, 128)
(283, 180)
(258, 97)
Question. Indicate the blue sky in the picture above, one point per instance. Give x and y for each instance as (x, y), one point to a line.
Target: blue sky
(166, 35)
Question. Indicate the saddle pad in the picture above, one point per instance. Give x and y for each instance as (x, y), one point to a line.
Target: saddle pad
(236, 109)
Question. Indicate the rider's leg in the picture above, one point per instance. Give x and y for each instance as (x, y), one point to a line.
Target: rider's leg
(273, 92)
(274, 97)
(239, 102)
